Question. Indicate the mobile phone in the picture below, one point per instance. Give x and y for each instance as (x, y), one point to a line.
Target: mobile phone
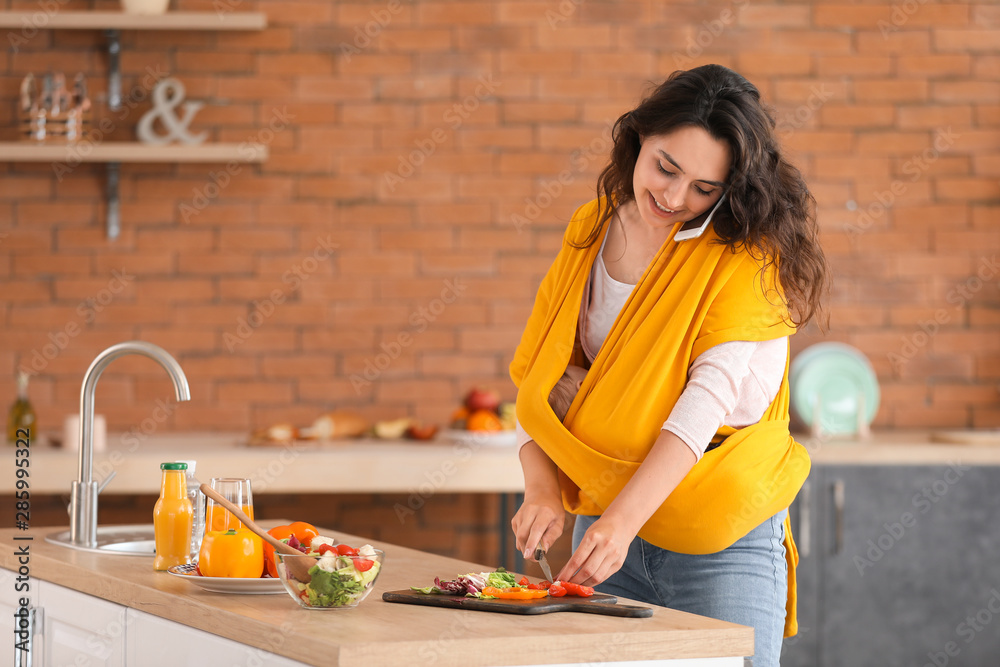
(692, 229)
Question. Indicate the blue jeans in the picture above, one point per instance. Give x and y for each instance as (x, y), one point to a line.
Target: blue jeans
(746, 583)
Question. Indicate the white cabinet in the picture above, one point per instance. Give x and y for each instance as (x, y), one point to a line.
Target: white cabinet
(156, 642)
(79, 629)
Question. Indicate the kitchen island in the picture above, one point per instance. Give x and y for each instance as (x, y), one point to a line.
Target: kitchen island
(272, 629)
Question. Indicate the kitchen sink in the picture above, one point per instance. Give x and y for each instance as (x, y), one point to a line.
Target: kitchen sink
(126, 540)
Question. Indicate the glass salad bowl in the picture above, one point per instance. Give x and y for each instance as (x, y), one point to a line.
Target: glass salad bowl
(335, 580)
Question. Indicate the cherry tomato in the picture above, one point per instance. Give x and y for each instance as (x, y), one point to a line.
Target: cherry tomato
(523, 582)
(326, 548)
(544, 584)
(363, 564)
(578, 590)
(557, 590)
(345, 550)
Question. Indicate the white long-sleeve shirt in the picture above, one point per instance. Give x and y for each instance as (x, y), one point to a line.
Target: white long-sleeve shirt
(728, 384)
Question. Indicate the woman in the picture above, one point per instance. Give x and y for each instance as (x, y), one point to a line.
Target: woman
(675, 453)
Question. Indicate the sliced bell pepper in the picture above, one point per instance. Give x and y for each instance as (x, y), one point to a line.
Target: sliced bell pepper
(303, 532)
(231, 553)
(514, 593)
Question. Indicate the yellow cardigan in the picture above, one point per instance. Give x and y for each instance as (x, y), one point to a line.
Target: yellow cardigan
(694, 295)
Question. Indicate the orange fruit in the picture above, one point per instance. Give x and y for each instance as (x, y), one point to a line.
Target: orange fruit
(461, 413)
(483, 420)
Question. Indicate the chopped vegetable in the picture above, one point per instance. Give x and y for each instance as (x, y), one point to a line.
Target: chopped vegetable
(501, 578)
(514, 593)
(577, 589)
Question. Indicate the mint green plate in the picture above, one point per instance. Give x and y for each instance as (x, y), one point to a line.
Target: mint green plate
(840, 380)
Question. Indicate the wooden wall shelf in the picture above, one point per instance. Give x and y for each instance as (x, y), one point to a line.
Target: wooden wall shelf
(112, 154)
(84, 20)
(130, 151)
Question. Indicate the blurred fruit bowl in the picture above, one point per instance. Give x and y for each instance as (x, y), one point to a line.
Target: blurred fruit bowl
(482, 410)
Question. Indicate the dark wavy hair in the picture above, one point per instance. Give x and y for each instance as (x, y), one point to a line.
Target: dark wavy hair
(768, 207)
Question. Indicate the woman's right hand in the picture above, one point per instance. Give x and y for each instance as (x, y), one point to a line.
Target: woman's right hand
(541, 518)
(538, 523)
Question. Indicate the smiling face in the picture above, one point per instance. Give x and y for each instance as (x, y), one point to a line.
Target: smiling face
(679, 175)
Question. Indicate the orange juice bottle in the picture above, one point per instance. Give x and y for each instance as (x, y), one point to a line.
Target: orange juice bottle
(172, 518)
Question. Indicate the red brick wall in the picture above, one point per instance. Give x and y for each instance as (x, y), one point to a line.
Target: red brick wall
(477, 110)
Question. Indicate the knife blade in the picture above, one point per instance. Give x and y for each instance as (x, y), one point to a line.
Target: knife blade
(544, 563)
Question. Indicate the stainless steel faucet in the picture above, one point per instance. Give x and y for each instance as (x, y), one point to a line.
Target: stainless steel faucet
(84, 491)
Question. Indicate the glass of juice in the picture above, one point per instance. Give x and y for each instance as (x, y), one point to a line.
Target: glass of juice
(237, 491)
(215, 559)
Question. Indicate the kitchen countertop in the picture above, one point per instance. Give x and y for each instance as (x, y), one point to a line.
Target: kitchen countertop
(378, 632)
(401, 466)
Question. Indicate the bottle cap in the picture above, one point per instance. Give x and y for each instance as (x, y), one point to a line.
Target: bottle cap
(173, 466)
(190, 465)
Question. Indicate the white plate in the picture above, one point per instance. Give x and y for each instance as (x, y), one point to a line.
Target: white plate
(482, 438)
(263, 586)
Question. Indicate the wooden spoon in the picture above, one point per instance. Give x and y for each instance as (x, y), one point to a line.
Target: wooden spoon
(298, 567)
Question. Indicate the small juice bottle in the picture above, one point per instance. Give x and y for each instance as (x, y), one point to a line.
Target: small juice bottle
(172, 517)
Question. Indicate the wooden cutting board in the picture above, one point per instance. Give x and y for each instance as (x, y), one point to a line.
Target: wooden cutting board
(598, 603)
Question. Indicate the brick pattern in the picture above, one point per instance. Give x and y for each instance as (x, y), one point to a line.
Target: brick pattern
(426, 156)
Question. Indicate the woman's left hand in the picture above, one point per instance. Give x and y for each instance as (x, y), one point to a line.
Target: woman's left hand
(601, 553)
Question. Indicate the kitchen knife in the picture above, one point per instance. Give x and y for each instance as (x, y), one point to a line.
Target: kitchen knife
(544, 562)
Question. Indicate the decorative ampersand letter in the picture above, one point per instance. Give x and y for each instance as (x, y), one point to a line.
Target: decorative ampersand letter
(168, 94)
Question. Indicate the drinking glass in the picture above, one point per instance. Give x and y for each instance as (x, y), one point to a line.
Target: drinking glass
(237, 491)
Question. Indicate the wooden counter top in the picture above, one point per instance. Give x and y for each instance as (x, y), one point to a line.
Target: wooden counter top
(402, 466)
(377, 632)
